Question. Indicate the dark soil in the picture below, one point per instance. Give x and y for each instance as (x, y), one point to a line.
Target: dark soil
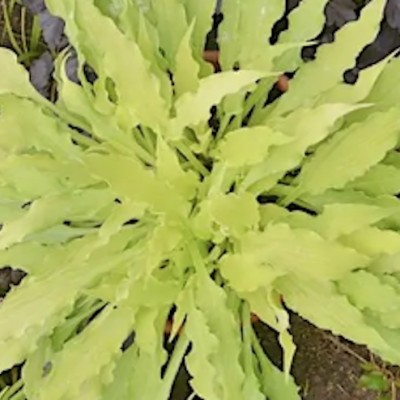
(325, 367)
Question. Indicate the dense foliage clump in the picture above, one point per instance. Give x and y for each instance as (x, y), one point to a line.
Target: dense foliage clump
(158, 187)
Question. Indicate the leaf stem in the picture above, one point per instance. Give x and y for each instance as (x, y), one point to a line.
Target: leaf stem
(140, 139)
(12, 390)
(197, 259)
(35, 34)
(221, 179)
(9, 30)
(147, 138)
(283, 191)
(188, 154)
(246, 329)
(258, 96)
(262, 358)
(175, 362)
(23, 30)
(143, 154)
(81, 139)
(222, 127)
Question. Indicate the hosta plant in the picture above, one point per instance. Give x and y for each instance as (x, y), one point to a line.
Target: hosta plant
(165, 191)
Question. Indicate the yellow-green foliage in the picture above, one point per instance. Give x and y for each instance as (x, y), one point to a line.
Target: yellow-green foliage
(197, 237)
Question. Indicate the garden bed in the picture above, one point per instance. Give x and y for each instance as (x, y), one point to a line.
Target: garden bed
(325, 367)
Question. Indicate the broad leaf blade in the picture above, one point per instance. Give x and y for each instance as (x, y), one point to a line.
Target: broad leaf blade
(327, 168)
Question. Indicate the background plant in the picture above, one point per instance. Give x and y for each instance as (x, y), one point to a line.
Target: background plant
(128, 198)
(26, 39)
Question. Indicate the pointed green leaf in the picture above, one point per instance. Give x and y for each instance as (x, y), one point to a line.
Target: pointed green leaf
(108, 330)
(301, 251)
(258, 16)
(186, 69)
(274, 382)
(332, 59)
(365, 290)
(360, 90)
(236, 33)
(311, 11)
(216, 344)
(379, 180)
(201, 14)
(383, 94)
(320, 303)
(37, 306)
(296, 125)
(37, 128)
(343, 219)
(130, 180)
(245, 274)
(170, 171)
(64, 207)
(14, 78)
(328, 169)
(194, 108)
(234, 214)
(249, 146)
(167, 14)
(137, 88)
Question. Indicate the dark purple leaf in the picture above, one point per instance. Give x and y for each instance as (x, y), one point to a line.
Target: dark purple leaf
(90, 74)
(53, 30)
(291, 5)
(339, 12)
(387, 41)
(71, 67)
(392, 14)
(9, 277)
(351, 76)
(40, 73)
(34, 6)
(327, 35)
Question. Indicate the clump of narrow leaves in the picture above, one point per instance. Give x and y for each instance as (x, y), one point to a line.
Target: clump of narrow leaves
(129, 198)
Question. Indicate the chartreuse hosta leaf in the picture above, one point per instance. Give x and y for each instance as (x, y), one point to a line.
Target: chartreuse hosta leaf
(216, 343)
(28, 320)
(167, 13)
(335, 221)
(77, 206)
(47, 134)
(200, 14)
(249, 146)
(332, 60)
(373, 241)
(382, 297)
(240, 22)
(382, 94)
(186, 67)
(327, 169)
(15, 78)
(298, 31)
(288, 156)
(335, 313)
(307, 253)
(150, 109)
(360, 90)
(194, 108)
(381, 179)
(162, 189)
